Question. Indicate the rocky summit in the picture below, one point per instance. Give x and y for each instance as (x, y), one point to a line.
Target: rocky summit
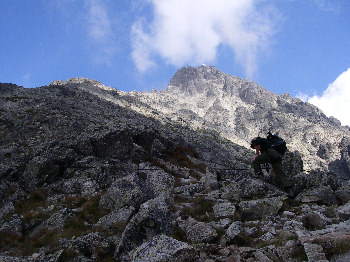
(92, 173)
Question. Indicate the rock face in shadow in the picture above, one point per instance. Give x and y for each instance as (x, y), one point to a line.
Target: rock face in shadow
(91, 173)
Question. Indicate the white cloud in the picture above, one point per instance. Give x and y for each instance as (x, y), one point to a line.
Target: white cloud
(190, 32)
(141, 48)
(335, 100)
(100, 28)
(327, 5)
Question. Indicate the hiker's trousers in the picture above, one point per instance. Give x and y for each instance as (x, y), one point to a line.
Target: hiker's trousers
(274, 158)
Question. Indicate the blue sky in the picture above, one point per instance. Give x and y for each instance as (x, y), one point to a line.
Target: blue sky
(300, 47)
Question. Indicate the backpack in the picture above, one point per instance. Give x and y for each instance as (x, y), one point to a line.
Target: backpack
(277, 143)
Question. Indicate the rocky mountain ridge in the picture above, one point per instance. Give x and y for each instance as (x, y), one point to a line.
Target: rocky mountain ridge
(91, 173)
(239, 110)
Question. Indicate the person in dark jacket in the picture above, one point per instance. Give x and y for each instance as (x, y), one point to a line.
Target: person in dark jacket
(266, 154)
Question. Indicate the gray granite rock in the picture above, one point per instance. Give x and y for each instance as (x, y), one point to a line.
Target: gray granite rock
(120, 216)
(225, 209)
(154, 217)
(92, 245)
(164, 248)
(127, 191)
(315, 253)
(234, 230)
(261, 208)
(159, 182)
(200, 232)
(59, 219)
(344, 211)
(320, 195)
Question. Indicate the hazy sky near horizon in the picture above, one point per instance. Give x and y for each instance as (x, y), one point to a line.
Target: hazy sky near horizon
(300, 47)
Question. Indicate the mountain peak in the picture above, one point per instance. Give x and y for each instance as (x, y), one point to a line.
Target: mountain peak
(210, 82)
(193, 80)
(81, 81)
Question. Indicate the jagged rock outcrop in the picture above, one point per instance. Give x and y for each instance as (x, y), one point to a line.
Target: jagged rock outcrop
(90, 173)
(164, 248)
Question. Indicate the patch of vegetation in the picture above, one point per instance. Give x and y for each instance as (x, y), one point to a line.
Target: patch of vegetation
(312, 221)
(179, 234)
(9, 241)
(113, 229)
(26, 208)
(154, 162)
(158, 163)
(22, 246)
(69, 254)
(88, 214)
(201, 210)
(178, 199)
(180, 156)
(221, 233)
(89, 211)
(7, 155)
(74, 201)
(340, 247)
(75, 228)
(242, 240)
(330, 212)
(299, 253)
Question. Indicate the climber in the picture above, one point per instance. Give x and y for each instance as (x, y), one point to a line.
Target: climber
(264, 153)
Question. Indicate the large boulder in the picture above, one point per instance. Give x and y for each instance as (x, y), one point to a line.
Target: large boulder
(314, 252)
(224, 209)
(92, 245)
(320, 195)
(48, 166)
(126, 191)
(159, 182)
(316, 178)
(189, 190)
(200, 232)
(153, 218)
(116, 217)
(260, 208)
(59, 219)
(234, 230)
(344, 211)
(246, 189)
(163, 248)
(56, 221)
